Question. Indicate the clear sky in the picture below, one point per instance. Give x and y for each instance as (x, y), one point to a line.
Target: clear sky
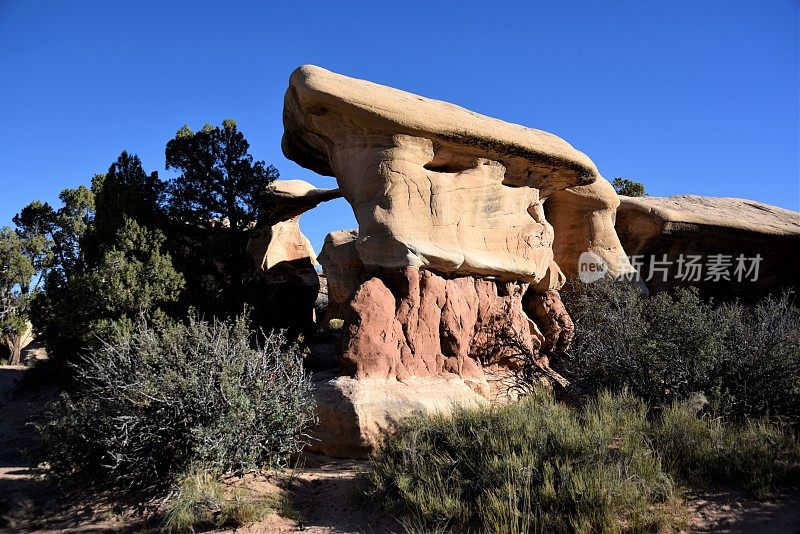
(687, 96)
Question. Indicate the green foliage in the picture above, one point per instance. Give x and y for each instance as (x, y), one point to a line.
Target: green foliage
(106, 260)
(704, 450)
(745, 359)
(125, 193)
(154, 401)
(59, 232)
(528, 466)
(539, 465)
(213, 204)
(16, 271)
(55, 309)
(133, 243)
(201, 500)
(134, 275)
(629, 188)
(219, 181)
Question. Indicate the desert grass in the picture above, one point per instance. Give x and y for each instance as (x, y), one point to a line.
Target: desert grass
(538, 465)
(201, 500)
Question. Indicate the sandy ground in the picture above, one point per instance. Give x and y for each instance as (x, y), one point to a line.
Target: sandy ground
(323, 492)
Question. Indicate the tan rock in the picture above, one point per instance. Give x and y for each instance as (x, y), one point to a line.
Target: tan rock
(282, 242)
(354, 415)
(286, 199)
(682, 226)
(278, 237)
(286, 283)
(341, 263)
(287, 280)
(583, 221)
(434, 185)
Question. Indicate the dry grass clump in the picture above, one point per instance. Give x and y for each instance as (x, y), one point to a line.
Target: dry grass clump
(202, 501)
(701, 450)
(528, 466)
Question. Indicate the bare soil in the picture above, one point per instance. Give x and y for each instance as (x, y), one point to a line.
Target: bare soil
(324, 493)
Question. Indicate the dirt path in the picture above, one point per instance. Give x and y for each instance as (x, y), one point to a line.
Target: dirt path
(734, 512)
(28, 503)
(324, 493)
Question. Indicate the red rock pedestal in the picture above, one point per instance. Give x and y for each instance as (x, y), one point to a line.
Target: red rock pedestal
(415, 342)
(415, 323)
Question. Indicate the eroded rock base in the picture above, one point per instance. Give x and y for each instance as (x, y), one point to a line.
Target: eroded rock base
(409, 322)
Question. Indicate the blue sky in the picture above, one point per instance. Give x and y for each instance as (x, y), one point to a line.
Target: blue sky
(686, 96)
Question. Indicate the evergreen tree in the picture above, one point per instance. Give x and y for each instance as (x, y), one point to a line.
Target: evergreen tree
(213, 204)
(107, 260)
(16, 271)
(628, 188)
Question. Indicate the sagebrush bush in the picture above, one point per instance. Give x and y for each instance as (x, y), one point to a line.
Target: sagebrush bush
(537, 465)
(663, 348)
(156, 399)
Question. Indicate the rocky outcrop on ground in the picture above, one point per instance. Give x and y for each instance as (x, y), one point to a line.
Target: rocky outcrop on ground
(727, 247)
(354, 414)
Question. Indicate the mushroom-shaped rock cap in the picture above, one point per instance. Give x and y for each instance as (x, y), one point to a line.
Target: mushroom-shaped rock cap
(433, 185)
(317, 100)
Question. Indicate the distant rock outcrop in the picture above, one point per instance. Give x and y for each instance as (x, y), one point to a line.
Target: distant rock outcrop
(727, 247)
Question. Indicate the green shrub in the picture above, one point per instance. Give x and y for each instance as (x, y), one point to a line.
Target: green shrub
(703, 450)
(745, 359)
(538, 464)
(156, 399)
(757, 373)
(527, 466)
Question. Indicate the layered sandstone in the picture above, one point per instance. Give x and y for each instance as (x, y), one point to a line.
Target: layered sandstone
(744, 249)
(433, 185)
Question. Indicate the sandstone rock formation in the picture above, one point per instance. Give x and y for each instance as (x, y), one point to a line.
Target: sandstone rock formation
(343, 270)
(452, 229)
(287, 199)
(583, 218)
(285, 260)
(354, 414)
(713, 233)
(434, 185)
(454, 271)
